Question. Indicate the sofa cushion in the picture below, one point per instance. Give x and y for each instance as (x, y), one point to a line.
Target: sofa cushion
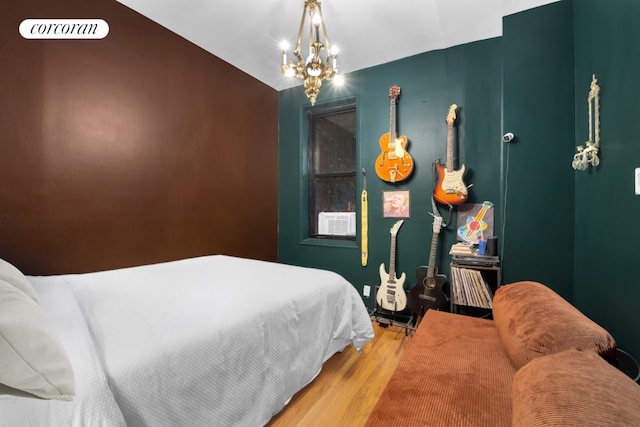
(534, 321)
(574, 388)
(453, 372)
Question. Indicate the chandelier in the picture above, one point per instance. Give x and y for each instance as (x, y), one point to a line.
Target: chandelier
(314, 68)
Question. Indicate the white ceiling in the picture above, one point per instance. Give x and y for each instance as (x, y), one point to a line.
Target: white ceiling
(247, 34)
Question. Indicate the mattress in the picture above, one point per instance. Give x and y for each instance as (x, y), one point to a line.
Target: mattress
(207, 341)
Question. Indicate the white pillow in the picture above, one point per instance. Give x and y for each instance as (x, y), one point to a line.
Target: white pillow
(10, 274)
(33, 357)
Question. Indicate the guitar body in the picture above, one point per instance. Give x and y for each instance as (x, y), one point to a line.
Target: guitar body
(391, 295)
(472, 231)
(427, 293)
(393, 163)
(450, 188)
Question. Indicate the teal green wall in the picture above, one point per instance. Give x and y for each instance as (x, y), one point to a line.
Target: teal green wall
(574, 231)
(607, 279)
(538, 82)
(467, 75)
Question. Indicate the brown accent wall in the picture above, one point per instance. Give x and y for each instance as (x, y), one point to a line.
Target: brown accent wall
(137, 148)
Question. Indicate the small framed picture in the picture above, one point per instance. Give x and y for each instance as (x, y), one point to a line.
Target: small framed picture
(475, 222)
(396, 204)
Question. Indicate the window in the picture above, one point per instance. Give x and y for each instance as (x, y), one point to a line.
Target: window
(332, 172)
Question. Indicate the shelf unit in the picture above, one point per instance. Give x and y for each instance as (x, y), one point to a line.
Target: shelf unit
(467, 296)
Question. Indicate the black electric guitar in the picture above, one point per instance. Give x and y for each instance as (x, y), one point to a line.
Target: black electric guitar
(428, 293)
(391, 295)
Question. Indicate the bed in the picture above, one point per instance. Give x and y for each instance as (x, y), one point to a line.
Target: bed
(207, 341)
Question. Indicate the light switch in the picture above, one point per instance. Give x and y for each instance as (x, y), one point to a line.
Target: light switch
(638, 181)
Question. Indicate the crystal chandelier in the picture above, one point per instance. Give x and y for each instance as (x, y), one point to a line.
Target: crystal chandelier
(313, 69)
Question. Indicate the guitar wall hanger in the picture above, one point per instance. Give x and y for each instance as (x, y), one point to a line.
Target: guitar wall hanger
(589, 155)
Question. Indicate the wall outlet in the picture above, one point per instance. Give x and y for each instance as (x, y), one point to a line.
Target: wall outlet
(637, 181)
(366, 291)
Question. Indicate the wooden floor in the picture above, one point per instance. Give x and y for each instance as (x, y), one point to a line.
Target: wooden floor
(348, 386)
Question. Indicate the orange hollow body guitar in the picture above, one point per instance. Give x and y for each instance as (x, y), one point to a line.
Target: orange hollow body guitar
(450, 189)
(394, 162)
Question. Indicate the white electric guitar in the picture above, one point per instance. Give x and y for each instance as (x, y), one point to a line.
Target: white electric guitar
(391, 295)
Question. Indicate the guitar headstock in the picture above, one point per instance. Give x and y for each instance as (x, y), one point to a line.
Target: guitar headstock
(437, 224)
(394, 92)
(451, 116)
(396, 227)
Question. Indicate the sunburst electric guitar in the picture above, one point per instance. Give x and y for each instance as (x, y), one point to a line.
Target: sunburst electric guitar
(394, 162)
(450, 188)
(427, 292)
(391, 295)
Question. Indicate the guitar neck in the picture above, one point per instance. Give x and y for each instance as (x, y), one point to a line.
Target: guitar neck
(481, 213)
(432, 255)
(392, 260)
(393, 135)
(449, 147)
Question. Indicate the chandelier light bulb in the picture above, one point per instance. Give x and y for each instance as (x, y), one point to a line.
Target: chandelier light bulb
(333, 54)
(316, 20)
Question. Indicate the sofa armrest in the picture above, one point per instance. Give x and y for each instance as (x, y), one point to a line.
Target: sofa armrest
(533, 321)
(574, 388)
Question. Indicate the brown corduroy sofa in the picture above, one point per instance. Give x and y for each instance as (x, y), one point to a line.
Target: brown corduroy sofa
(539, 362)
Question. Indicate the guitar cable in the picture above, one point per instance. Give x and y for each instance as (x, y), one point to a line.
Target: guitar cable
(434, 205)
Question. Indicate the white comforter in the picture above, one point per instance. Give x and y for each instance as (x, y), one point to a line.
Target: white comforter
(209, 341)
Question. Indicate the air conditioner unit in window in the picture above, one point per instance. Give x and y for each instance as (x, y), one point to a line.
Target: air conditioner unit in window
(337, 223)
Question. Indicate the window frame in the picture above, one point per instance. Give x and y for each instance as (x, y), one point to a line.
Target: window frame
(308, 214)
